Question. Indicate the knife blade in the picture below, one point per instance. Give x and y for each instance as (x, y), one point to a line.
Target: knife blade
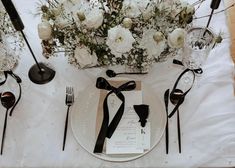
(166, 100)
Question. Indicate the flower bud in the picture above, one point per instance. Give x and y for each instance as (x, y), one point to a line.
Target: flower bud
(44, 30)
(127, 23)
(81, 16)
(158, 37)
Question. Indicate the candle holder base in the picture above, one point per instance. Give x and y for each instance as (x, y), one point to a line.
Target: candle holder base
(41, 77)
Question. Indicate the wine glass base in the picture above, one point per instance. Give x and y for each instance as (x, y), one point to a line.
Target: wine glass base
(186, 81)
(41, 77)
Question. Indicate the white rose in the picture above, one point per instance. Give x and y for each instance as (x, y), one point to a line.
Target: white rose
(93, 19)
(44, 30)
(119, 40)
(176, 38)
(84, 57)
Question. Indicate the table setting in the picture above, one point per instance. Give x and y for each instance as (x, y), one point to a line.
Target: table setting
(116, 84)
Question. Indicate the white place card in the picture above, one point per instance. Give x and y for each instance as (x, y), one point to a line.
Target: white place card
(129, 137)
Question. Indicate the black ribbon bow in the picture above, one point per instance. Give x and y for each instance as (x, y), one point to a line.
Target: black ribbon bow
(174, 90)
(107, 129)
(182, 96)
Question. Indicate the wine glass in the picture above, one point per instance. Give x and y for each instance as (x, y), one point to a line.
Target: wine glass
(198, 43)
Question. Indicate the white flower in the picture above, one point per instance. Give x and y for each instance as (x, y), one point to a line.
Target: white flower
(75, 1)
(176, 38)
(61, 22)
(148, 13)
(84, 57)
(68, 4)
(154, 48)
(57, 11)
(142, 5)
(44, 30)
(78, 13)
(1, 7)
(131, 8)
(119, 40)
(190, 9)
(93, 19)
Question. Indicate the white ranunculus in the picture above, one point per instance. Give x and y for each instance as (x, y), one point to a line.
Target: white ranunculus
(119, 40)
(44, 30)
(154, 48)
(93, 19)
(84, 57)
(176, 38)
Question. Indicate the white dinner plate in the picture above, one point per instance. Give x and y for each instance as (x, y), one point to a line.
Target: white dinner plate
(83, 120)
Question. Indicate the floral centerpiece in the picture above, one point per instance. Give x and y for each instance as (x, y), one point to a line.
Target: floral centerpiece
(111, 32)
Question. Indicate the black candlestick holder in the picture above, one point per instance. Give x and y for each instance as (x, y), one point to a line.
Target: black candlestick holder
(41, 76)
(39, 73)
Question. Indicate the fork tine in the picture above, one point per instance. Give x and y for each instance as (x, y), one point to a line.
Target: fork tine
(69, 95)
(67, 89)
(70, 90)
(72, 95)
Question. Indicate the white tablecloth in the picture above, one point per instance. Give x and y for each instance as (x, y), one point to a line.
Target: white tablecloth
(35, 131)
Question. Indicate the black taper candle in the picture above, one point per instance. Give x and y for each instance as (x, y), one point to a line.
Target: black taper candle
(14, 16)
(215, 4)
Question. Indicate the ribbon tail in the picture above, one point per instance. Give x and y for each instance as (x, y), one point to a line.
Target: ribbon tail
(176, 107)
(103, 130)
